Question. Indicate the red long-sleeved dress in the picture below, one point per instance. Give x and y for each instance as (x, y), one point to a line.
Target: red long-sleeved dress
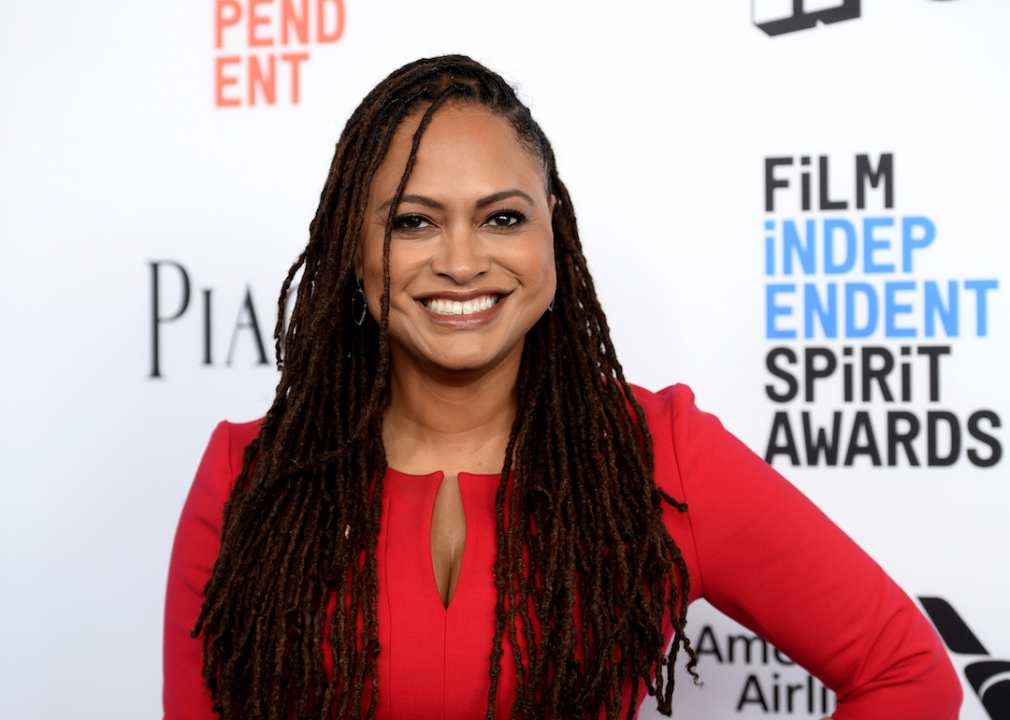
(755, 548)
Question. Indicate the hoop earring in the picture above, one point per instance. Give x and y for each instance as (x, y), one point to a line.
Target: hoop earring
(359, 319)
(550, 308)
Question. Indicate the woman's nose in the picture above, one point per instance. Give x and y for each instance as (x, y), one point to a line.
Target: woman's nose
(461, 255)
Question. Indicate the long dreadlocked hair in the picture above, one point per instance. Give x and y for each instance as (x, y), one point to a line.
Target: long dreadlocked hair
(303, 517)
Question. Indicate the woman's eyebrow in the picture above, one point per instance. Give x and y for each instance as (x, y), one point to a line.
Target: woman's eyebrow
(483, 202)
(416, 200)
(504, 195)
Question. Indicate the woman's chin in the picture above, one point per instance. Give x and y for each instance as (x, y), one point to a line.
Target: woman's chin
(461, 357)
(464, 363)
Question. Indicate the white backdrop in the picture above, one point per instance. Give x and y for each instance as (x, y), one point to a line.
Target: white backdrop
(116, 153)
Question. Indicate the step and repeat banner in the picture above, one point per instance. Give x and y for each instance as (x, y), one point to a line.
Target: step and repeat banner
(794, 206)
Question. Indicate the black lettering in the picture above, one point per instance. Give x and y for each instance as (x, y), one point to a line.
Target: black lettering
(745, 697)
(771, 183)
(822, 179)
(934, 352)
(847, 374)
(830, 447)
(206, 326)
(996, 450)
(862, 421)
(805, 185)
(864, 173)
(249, 311)
(791, 382)
(933, 417)
(879, 374)
(707, 634)
(790, 689)
(895, 438)
(811, 373)
(156, 317)
(732, 641)
(906, 376)
(781, 421)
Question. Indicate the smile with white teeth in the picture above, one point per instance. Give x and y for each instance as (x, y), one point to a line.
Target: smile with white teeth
(451, 307)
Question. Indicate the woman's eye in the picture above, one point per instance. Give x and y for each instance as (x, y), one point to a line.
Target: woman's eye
(410, 222)
(505, 219)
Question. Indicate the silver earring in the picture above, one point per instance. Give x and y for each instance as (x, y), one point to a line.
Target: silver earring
(359, 318)
(550, 308)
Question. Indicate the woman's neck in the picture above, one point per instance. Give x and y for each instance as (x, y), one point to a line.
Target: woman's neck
(450, 421)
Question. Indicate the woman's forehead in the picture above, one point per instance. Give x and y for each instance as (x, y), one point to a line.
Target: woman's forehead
(462, 143)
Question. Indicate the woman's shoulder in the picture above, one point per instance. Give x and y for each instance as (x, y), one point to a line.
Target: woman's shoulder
(660, 402)
(222, 459)
(672, 414)
(691, 448)
(238, 435)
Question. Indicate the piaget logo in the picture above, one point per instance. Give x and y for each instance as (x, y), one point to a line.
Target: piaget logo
(189, 316)
(262, 47)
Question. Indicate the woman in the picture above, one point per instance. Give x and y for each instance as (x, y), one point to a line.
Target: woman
(453, 454)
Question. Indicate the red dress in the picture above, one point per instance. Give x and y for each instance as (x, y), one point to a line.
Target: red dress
(755, 548)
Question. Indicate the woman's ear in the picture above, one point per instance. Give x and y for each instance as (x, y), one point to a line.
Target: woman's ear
(553, 201)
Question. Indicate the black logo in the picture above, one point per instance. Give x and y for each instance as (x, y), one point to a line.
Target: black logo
(768, 15)
(167, 311)
(989, 678)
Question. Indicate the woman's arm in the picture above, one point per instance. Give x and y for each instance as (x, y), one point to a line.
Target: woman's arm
(197, 540)
(768, 558)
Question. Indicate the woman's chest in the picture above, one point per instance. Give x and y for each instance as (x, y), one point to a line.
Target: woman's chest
(434, 661)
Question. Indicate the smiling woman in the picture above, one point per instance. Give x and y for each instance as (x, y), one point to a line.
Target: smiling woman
(472, 246)
(457, 506)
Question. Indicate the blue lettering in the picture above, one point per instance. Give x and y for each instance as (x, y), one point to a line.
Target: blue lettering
(980, 287)
(769, 248)
(934, 307)
(872, 244)
(892, 308)
(830, 268)
(908, 241)
(774, 310)
(805, 251)
(828, 316)
(851, 289)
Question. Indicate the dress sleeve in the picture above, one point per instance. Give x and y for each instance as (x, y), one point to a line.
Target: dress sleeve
(197, 541)
(769, 559)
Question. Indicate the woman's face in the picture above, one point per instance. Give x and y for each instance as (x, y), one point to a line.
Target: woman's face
(471, 260)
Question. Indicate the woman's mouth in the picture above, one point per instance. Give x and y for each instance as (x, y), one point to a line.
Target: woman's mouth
(467, 307)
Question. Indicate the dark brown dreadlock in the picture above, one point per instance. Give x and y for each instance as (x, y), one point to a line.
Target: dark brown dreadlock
(303, 517)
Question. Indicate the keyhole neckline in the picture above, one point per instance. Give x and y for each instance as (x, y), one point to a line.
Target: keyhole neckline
(468, 484)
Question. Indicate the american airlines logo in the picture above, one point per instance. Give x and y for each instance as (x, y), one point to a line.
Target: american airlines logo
(990, 678)
(777, 17)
